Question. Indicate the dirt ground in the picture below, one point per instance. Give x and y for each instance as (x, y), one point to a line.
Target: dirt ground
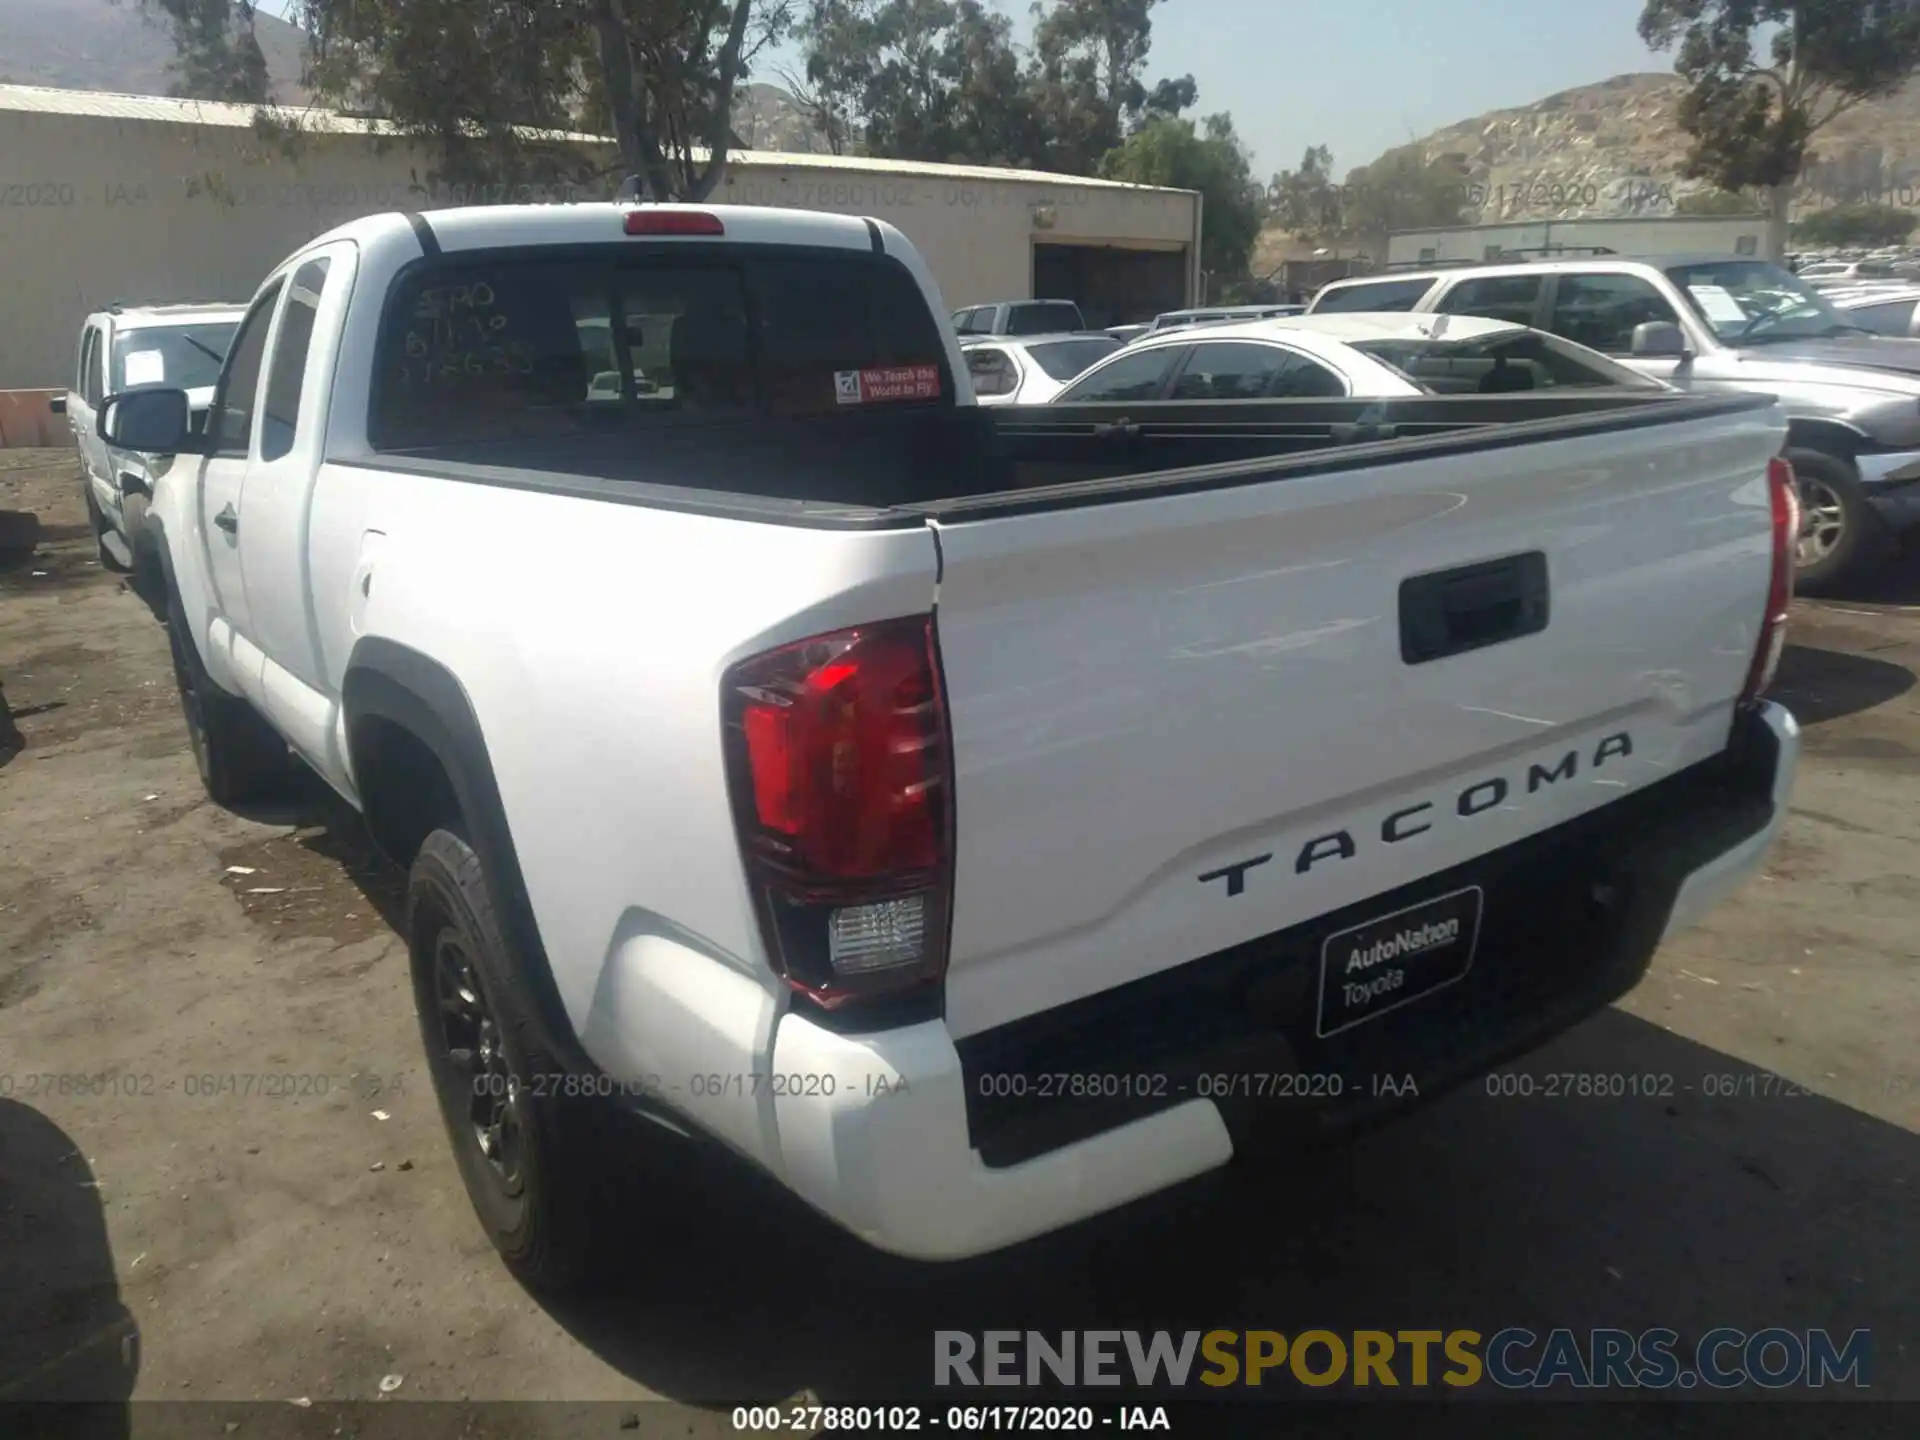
(261, 1184)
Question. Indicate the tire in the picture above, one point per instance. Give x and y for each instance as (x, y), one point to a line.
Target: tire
(1842, 539)
(98, 518)
(525, 1150)
(239, 756)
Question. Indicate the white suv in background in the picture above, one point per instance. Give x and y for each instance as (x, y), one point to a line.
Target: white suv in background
(1031, 369)
(125, 347)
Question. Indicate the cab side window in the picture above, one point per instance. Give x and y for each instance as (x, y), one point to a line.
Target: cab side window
(1495, 297)
(93, 384)
(1230, 370)
(286, 377)
(1375, 295)
(1600, 311)
(231, 425)
(1139, 376)
(89, 337)
(1306, 379)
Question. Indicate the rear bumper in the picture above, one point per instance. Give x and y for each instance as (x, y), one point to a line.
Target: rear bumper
(922, 1148)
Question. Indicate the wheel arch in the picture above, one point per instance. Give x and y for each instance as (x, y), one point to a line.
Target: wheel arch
(419, 760)
(162, 551)
(189, 582)
(1829, 437)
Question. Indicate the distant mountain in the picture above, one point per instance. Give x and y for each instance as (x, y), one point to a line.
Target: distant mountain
(1616, 148)
(119, 45)
(765, 117)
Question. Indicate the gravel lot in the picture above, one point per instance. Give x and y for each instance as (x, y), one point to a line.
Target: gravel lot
(311, 1237)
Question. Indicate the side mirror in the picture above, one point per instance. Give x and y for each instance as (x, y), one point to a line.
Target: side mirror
(57, 404)
(132, 484)
(1659, 339)
(153, 421)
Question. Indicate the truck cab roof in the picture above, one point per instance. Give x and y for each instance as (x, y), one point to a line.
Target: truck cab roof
(495, 227)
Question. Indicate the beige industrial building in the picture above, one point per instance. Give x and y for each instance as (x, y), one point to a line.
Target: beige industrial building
(123, 197)
(1624, 235)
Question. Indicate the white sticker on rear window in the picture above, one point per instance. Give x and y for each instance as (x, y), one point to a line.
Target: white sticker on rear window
(146, 367)
(1720, 306)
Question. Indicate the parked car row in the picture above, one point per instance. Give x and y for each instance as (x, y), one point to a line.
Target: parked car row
(1720, 324)
(1347, 357)
(1048, 318)
(126, 347)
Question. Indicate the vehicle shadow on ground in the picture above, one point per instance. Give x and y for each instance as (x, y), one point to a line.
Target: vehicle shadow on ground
(326, 826)
(65, 1335)
(1895, 583)
(1725, 1197)
(1818, 685)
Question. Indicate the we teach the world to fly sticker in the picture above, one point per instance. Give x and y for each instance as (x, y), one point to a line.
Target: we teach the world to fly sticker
(892, 382)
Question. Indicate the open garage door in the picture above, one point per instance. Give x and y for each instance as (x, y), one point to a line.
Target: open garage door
(1112, 284)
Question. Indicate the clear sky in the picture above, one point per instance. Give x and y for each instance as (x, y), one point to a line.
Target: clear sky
(1364, 75)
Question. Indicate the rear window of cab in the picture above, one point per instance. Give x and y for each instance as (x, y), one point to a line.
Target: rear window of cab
(548, 343)
(1372, 295)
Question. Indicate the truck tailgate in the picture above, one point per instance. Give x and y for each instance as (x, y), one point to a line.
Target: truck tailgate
(1186, 720)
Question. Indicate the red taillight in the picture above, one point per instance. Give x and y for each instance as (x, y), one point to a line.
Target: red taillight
(837, 750)
(1783, 498)
(673, 222)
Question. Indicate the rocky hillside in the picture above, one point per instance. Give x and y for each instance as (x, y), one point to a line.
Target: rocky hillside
(765, 117)
(118, 45)
(1614, 148)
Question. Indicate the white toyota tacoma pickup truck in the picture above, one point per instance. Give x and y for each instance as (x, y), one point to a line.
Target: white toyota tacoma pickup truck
(978, 819)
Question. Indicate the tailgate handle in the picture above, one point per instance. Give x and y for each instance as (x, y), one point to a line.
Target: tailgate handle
(1472, 607)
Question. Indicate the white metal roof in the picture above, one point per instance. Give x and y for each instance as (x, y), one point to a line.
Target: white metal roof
(870, 165)
(105, 105)
(164, 109)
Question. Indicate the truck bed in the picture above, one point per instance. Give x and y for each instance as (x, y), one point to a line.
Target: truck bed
(1190, 644)
(895, 469)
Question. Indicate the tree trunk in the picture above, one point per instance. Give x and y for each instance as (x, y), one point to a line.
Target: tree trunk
(705, 181)
(1779, 203)
(627, 99)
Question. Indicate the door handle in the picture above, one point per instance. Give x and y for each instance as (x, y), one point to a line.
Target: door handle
(227, 520)
(1473, 606)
